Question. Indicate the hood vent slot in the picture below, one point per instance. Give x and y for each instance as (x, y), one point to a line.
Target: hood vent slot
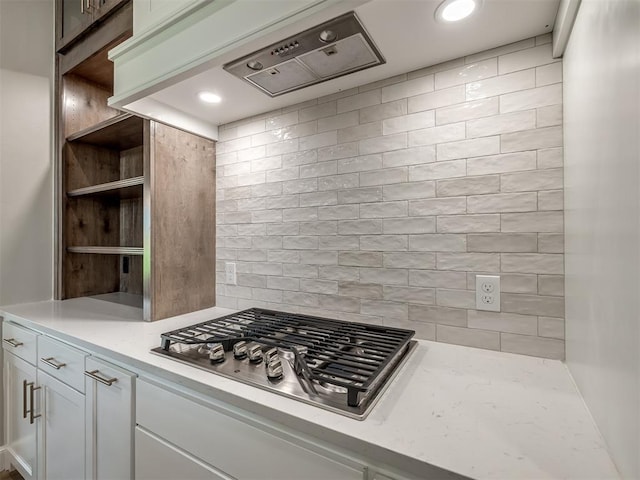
(330, 50)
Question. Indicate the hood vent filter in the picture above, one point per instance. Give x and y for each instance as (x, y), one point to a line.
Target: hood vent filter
(333, 49)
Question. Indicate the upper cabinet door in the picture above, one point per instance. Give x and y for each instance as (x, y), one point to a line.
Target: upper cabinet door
(103, 7)
(72, 18)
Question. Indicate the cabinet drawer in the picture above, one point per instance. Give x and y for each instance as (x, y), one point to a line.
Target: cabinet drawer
(158, 460)
(20, 341)
(225, 442)
(61, 361)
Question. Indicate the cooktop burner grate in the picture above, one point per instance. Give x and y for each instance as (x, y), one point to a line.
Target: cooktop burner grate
(344, 354)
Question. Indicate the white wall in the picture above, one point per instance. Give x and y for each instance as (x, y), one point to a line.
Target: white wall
(26, 166)
(602, 193)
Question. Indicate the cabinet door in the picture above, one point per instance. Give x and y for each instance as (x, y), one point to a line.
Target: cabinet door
(147, 14)
(103, 7)
(72, 18)
(20, 434)
(61, 430)
(158, 460)
(109, 421)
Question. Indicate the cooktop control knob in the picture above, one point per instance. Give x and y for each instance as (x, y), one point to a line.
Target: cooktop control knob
(216, 353)
(274, 369)
(240, 350)
(270, 355)
(255, 353)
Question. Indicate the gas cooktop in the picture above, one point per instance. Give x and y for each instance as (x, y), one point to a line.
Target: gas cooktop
(337, 365)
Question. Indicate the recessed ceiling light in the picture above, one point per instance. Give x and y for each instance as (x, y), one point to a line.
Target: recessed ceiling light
(455, 10)
(209, 97)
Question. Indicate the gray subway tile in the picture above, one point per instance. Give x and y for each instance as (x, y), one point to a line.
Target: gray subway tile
(438, 279)
(415, 295)
(438, 242)
(409, 260)
(503, 322)
(542, 222)
(503, 242)
(551, 327)
(360, 259)
(468, 186)
(532, 305)
(474, 262)
(551, 285)
(468, 337)
(378, 243)
(531, 345)
(503, 202)
(441, 315)
(372, 291)
(479, 223)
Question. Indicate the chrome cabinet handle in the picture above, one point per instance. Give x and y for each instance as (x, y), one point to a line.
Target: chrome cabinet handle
(53, 363)
(32, 389)
(24, 399)
(13, 342)
(94, 374)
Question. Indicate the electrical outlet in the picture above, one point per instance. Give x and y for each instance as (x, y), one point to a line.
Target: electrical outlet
(230, 273)
(488, 292)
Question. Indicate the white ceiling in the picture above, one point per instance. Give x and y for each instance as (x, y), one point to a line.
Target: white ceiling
(405, 32)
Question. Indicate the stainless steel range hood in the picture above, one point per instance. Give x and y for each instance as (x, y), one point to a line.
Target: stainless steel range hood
(330, 50)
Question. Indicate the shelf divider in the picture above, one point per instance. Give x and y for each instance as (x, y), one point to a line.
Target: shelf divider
(107, 250)
(124, 188)
(121, 132)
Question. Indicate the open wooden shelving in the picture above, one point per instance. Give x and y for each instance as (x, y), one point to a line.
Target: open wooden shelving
(126, 188)
(120, 234)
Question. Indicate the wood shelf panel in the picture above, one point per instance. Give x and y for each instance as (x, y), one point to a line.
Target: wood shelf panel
(127, 188)
(107, 250)
(121, 132)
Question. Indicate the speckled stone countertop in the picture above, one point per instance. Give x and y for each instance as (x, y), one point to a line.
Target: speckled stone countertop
(477, 413)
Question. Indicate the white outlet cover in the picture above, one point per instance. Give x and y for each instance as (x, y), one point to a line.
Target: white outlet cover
(488, 293)
(230, 273)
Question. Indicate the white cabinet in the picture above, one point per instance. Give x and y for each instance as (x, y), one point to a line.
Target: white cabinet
(109, 421)
(229, 442)
(21, 435)
(149, 13)
(53, 430)
(60, 430)
(159, 460)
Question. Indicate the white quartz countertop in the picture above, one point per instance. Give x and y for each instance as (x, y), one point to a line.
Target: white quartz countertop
(477, 413)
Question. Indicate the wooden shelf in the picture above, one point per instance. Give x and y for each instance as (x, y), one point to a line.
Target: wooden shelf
(107, 250)
(127, 188)
(121, 132)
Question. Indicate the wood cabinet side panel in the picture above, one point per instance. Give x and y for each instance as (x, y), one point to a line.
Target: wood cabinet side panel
(84, 104)
(183, 222)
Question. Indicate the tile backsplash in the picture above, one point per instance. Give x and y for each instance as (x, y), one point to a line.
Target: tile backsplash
(380, 204)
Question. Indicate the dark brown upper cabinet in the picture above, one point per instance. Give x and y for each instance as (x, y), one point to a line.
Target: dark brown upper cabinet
(75, 17)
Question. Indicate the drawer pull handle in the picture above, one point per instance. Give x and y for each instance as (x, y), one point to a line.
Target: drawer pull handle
(24, 399)
(53, 363)
(94, 374)
(32, 389)
(13, 342)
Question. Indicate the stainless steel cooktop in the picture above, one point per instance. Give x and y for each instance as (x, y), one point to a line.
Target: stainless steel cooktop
(336, 365)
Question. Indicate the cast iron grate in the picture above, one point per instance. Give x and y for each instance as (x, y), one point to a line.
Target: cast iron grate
(336, 352)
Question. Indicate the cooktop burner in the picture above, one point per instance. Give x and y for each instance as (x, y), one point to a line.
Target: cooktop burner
(341, 366)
